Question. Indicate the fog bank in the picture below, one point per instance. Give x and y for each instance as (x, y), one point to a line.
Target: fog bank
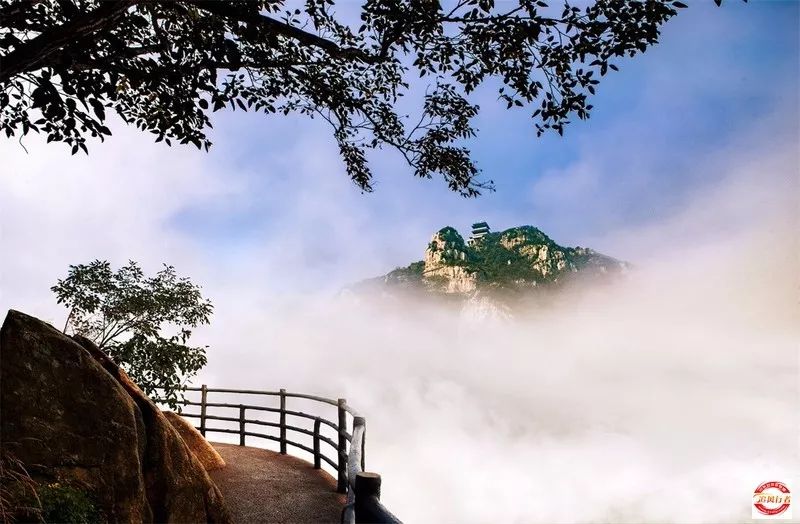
(667, 397)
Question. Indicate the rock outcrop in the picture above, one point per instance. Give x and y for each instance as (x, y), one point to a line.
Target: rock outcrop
(73, 417)
(199, 446)
(517, 258)
(445, 263)
(493, 273)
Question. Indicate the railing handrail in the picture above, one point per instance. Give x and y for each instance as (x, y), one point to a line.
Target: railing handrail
(363, 489)
(332, 402)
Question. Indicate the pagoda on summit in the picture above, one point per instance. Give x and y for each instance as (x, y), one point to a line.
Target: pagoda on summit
(479, 230)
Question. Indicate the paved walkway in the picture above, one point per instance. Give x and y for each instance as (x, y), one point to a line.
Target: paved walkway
(264, 486)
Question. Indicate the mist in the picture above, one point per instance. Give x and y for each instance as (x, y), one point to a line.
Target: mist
(667, 396)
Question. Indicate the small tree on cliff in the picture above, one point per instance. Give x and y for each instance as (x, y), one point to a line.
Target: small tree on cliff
(164, 65)
(142, 323)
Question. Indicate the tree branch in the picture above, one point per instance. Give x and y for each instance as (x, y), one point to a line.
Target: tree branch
(13, 10)
(309, 39)
(69, 317)
(30, 55)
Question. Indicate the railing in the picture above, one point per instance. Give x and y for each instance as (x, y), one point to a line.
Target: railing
(362, 488)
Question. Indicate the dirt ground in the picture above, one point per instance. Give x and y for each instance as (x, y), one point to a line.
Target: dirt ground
(264, 486)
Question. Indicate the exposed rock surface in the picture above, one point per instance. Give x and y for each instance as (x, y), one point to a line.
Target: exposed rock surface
(72, 416)
(495, 272)
(202, 450)
(63, 416)
(521, 257)
(443, 264)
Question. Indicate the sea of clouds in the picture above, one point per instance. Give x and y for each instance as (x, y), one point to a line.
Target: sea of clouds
(667, 397)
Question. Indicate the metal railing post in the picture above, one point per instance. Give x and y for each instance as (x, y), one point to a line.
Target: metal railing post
(317, 463)
(283, 421)
(241, 425)
(203, 396)
(341, 485)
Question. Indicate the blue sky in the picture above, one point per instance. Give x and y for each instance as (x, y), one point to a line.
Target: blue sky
(689, 144)
(717, 73)
(272, 196)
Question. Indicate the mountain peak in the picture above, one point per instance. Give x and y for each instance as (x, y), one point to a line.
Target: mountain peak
(518, 258)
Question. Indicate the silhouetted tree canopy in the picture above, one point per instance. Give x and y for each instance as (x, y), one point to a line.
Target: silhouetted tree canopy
(165, 65)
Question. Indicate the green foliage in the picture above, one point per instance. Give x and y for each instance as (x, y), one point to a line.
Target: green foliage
(63, 504)
(24, 500)
(452, 237)
(454, 250)
(528, 234)
(407, 275)
(165, 65)
(417, 267)
(492, 262)
(505, 264)
(501, 266)
(507, 258)
(143, 323)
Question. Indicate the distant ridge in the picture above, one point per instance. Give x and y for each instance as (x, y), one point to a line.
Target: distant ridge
(516, 259)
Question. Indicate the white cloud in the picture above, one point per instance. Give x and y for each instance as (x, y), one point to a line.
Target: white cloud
(59, 210)
(667, 398)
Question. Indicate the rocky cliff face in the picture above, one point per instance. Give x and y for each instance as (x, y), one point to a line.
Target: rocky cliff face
(444, 264)
(494, 276)
(199, 446)
(516, 259)
(76, 421)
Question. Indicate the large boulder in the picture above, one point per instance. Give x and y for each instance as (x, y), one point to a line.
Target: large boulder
(71, 416)
(202, 450)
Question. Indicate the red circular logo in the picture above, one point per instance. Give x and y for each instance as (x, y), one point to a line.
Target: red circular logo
(771, 498)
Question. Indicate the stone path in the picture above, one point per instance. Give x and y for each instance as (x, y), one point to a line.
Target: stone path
(264, 486)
